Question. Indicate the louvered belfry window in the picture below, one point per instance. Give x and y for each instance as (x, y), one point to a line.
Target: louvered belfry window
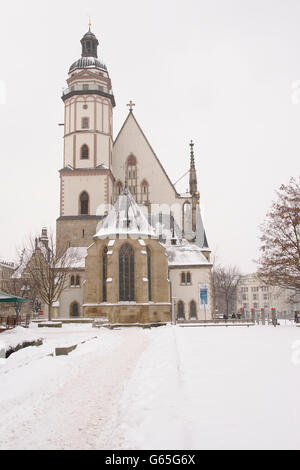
(126, 273)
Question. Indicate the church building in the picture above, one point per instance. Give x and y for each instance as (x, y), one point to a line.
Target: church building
(142, 250)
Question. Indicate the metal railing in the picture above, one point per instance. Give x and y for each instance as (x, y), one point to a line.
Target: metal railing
(86, 87)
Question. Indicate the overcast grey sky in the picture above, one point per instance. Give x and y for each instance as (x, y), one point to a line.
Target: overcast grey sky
(217, 71)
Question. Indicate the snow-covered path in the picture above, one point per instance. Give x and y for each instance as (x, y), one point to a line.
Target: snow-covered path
(164, 388)
(74, 405)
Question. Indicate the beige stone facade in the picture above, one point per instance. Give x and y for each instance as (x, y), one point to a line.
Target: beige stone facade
(189, 292)
(76, 231)
(6, 270)
(139, 310)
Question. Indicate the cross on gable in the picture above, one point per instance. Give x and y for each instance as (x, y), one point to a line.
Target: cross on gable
(130, 105)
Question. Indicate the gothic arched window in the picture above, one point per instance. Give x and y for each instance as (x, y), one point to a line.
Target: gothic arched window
(77, 281)
(126, 273)
(149, 273)
(84, 203)
(193, 310)
(182, 278)
(84, 152)
(74, 309)
(104, 275)
(131, 174)
(72, 281)
(144, 191)
(188, 278)
(187, 217)
(180, 310)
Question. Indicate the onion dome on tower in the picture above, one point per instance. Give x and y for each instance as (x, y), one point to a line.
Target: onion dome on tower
(89, 54)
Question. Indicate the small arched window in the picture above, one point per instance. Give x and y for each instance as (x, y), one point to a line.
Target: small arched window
(187, 217)
(119, 188)
(126, 273)
(144, 190)
(104, 275)
(193, 310)
(180, 310)
(77, 281)
(72, 281)
(85, 123)
(84, 152)
(188, 278)
(182, 278)
(74, 309)
(84, 203)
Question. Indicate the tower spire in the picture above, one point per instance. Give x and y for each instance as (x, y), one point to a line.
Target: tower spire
(193, 174)
(193, 187)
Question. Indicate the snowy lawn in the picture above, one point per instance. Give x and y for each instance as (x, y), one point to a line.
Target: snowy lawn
(164, 388)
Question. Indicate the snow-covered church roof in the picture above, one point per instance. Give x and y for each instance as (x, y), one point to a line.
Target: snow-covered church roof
(201, 239)
(185, 254)
(125, 219)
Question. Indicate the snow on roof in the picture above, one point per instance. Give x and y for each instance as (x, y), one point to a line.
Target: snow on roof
(75, 257)
(125, 218)
(186, 254)
(201, 239)
(19, 271)
(7, 264)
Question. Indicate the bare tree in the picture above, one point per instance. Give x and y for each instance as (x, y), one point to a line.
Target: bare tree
(279, 264)
(46, 268)
(226, 280)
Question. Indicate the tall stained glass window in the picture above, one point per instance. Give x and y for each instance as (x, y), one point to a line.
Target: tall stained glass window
(126, 273)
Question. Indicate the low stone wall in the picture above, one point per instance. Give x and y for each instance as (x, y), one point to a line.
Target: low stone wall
(112, 326)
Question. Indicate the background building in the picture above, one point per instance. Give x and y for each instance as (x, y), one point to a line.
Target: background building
(254, 294)
(6, 270)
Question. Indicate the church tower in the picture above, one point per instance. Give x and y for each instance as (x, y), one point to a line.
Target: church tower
(86, 179)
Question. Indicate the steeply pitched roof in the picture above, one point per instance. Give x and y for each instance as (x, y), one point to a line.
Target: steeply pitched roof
(125, 219)
(131, 115)
(201, 239)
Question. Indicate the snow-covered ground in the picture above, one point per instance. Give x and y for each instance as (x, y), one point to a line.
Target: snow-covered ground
(164, 388)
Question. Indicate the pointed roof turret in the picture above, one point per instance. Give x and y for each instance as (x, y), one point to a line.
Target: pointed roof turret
(193, 174)
(125, 219)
